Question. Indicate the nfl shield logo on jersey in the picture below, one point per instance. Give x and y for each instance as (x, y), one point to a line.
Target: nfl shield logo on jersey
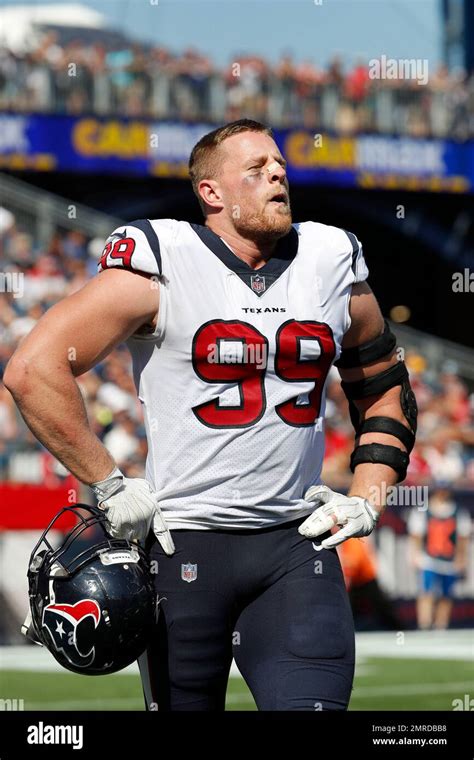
(189, 572)
(257, 283)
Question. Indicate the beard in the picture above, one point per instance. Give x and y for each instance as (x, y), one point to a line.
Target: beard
(264, 226)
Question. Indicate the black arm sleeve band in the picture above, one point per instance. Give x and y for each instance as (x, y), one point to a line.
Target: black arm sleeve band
(369, 352)
(391, 427)
(379, 383)
(378, 453)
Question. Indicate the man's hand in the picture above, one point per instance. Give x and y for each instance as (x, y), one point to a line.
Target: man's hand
(132, 509)
(353, 513)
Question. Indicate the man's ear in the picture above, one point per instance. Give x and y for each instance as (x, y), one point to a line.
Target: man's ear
(211, 194)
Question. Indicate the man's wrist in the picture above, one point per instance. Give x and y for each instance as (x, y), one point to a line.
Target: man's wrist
(375, 512)
(105, 488)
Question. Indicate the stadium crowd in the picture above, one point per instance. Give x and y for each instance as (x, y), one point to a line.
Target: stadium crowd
(445, 441)
(81, 76)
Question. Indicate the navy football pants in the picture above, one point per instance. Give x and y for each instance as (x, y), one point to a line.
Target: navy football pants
(264, 597)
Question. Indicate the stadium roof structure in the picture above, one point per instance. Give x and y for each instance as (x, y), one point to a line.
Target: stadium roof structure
(22, 25)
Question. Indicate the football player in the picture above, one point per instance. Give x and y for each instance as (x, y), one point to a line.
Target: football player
(233, 326)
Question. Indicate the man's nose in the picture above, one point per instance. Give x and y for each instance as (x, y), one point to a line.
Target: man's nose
(276, 171)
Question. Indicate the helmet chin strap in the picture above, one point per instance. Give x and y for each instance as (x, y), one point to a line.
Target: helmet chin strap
(28, 630)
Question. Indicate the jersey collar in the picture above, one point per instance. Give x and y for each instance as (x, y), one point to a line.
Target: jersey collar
(258, 280)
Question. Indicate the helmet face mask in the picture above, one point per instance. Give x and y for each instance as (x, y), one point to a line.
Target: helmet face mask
(92, 607)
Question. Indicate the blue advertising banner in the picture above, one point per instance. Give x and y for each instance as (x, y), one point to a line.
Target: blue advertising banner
(46, 142)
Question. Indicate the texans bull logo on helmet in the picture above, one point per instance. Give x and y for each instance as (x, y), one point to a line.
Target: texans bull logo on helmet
(71, 627)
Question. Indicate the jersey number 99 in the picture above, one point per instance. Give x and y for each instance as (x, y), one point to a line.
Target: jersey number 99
(235, 352)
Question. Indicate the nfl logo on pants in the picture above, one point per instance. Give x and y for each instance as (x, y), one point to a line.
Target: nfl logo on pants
(189, 572)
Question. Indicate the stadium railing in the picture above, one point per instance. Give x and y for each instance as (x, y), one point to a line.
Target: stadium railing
(41, 212)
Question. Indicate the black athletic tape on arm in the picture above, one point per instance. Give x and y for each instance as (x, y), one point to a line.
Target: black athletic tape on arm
(366, 353)
(390, 426)
(380, 453)
(378, 383)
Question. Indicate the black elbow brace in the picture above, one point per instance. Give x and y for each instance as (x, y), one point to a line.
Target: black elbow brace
(397, 375)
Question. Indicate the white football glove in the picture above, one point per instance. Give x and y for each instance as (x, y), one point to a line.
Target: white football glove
(354, 513)
(132, 509)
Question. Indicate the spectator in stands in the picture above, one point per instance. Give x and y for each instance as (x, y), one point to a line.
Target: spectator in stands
(285, 73)
(439, 541)
(366, 596)
(308, 87)
(126, 78)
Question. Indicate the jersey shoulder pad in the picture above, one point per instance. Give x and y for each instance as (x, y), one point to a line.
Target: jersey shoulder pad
(137, 246)
(341, 242)
(358, 265)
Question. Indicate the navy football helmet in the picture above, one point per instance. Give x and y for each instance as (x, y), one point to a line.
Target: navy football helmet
(93, 605)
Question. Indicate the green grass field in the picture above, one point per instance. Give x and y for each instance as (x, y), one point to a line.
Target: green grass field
(380, 684)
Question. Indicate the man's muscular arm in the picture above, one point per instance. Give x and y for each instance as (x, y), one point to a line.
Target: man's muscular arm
(366, 324)
(73, 336)
(375, 383)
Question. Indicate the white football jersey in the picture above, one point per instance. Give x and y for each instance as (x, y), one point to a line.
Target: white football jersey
(232, 380)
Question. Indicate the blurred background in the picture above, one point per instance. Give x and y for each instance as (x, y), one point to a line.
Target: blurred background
(372, 105)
